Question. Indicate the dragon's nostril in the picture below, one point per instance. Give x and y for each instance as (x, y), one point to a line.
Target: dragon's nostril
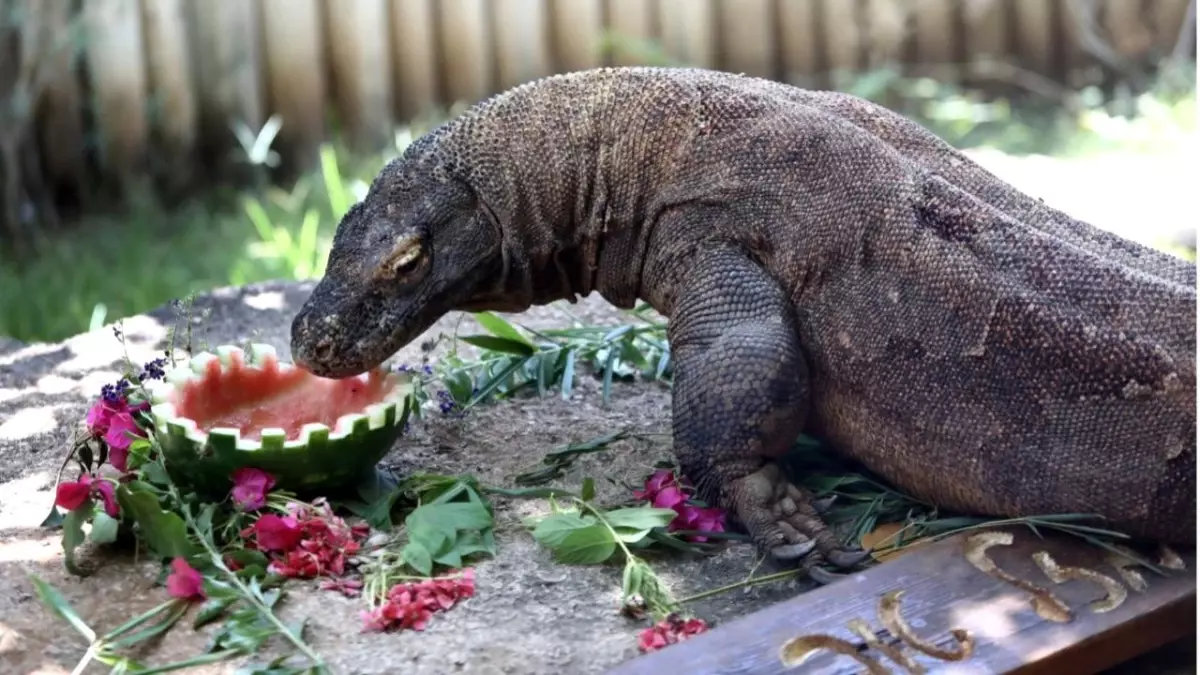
(324, 350)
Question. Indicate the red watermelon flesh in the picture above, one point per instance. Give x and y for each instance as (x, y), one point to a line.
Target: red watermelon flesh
(251, 399)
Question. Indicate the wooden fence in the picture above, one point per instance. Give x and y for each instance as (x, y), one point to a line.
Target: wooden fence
(165, 79)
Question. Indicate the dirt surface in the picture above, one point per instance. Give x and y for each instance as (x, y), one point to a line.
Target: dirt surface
(530, 615)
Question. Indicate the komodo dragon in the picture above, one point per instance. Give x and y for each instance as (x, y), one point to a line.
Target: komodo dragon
(825, 266)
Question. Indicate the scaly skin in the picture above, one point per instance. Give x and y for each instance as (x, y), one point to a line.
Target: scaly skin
(826, 266)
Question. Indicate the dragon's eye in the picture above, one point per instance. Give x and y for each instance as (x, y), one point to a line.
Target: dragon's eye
(406, 254)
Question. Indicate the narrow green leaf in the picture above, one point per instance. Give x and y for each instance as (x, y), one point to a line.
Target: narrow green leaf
(499, 344)
(500, 328)
(493, 384)
(609, 363)
(61, 608)
(211, 610)
(568, 376)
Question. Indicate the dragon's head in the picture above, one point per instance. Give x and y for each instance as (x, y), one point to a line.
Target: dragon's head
(420, 244)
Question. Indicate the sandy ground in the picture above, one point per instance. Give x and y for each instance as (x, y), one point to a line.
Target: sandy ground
(530, 615)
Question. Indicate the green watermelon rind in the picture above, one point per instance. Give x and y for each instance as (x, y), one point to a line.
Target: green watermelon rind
(320, 460)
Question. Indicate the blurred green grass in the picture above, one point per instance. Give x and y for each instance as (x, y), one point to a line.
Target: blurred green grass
(108, 267)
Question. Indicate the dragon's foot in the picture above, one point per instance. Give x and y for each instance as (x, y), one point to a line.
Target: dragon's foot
(783, 520)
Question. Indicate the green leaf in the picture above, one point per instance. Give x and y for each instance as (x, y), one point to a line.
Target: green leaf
(451, 516)
(73, 535)
(640, 517)
(586, 546)
(53, 520)
(211, 610)
(415, 555)
(531, 492)
(164, 532)
(377, 513)
(499, 344)
(139, 454)
(156, 473)
(553, 529)
(568, 376)
(61, 608)
(104, 528)
(501, 328)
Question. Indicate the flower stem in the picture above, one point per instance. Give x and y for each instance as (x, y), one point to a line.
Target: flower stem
(600, 517)
(740, 584)
(246, 593)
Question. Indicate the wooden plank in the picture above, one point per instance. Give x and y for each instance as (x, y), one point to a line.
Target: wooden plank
(294, 58)
(688, 32)
(748, 35)
(522, 47)
(800, 42)
(118, 75)
(1034, 38)
(942, 591)
(360, 70)
(1168, 20)
(842, 36)
(227, 54)
(414, 58)
(986, 29)
(934, 23)
(59, 119)
(1126, 28)
(466, 50)
(576, 28)
(169, 72)
(889, 31)
(1081, 46)
(630, 21)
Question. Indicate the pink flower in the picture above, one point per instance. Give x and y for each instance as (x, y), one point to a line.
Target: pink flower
(113, 422)
(250, 488)
(184, 582)
(72, 495)
(702, 520)
(669, 498)
(97, 417)
(122, 429)
(275, 533)
(657, 481)
(664, 491)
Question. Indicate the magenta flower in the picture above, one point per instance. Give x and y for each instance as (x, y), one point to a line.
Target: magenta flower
(184, 582)
(113, 422)
(664, 491)
(72, 495)
(250, 488)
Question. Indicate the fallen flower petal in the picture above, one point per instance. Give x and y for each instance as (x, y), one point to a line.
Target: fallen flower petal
(276, 533)
(184, 582)
(669, 631)
(250, 488)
